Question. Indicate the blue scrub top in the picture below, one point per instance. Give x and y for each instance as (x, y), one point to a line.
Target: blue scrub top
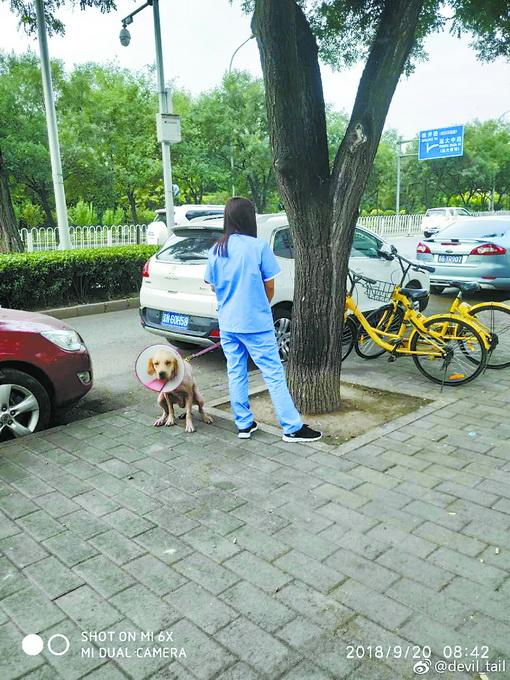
(238, 280)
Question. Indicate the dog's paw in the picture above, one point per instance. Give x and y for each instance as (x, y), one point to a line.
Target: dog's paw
(160, 421)
(207, 418)
(189, 426)
(170, 421)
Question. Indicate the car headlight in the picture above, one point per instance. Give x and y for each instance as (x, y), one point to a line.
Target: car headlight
(68, 340)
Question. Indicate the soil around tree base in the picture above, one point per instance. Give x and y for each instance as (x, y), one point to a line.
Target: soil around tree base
(363, 408)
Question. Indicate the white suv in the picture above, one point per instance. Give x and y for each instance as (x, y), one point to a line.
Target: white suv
(436, 219)
(157, 232)
(177, 304)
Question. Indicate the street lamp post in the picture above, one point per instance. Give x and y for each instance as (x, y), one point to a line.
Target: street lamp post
(232, 140)
(51, 123)
(165, 101)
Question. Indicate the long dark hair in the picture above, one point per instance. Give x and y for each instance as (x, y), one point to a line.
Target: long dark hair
(239, 218)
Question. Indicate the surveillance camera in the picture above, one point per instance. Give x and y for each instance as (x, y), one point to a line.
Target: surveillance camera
(124, 37)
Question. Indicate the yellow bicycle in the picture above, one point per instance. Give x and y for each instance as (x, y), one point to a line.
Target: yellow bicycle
(447, 349)
(492, 318)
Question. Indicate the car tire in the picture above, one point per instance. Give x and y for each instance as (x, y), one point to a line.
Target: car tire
(437, 290)
(282, 319)
(16, 387)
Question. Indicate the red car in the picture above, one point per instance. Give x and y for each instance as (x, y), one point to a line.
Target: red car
(44, 365)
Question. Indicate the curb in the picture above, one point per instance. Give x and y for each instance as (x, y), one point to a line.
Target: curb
(93, 308)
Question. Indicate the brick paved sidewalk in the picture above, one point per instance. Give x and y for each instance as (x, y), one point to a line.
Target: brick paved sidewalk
(260, 560)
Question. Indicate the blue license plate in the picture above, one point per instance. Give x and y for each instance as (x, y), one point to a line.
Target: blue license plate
(174, 319)
(452, 259)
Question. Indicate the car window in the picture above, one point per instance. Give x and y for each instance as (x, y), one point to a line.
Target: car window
(283, 245)
(188, 246)
(193, 214)
(436, 211)
(160, 217)
(365, 245)
(462, 211)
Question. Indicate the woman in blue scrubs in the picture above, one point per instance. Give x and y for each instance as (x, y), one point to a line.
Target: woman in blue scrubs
(241, 269)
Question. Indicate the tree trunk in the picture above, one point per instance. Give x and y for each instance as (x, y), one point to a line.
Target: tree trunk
(10, 240)
(323, 208)
(132, 206)
(45, 204)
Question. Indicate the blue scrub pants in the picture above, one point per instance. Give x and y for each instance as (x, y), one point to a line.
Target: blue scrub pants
(263, 350)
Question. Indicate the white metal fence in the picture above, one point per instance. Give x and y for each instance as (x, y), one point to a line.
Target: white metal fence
(128, 234)
(392, 225)
(43, 238)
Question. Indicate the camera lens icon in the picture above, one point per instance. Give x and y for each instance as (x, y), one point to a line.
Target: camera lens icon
(32, 644)
(58, 644)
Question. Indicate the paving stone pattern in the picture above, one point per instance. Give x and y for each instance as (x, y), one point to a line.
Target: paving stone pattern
(260, 559)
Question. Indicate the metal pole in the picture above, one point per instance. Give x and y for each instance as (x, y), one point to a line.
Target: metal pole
(51, 123)
(165, 106)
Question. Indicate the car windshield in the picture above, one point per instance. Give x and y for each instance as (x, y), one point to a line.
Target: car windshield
(475, 229)
(188, 246)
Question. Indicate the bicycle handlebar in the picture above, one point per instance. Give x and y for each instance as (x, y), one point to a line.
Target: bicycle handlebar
(412, 263)
(360, 277)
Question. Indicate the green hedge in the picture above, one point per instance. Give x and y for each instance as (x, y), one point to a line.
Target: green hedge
(58, 278)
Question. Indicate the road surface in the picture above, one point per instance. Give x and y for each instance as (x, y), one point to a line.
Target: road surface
(116, 339)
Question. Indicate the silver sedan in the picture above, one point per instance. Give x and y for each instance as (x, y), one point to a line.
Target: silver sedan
(476, 249)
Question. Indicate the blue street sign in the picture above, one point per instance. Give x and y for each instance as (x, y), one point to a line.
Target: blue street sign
(441, 143)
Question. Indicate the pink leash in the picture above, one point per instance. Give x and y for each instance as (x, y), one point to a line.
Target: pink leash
(202, 352)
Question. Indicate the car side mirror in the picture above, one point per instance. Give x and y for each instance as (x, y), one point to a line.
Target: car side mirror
(385, 252)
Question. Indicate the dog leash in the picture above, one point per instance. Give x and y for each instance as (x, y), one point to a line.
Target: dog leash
(203, 351)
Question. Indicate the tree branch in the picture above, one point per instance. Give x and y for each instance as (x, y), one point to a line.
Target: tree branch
(390, 50)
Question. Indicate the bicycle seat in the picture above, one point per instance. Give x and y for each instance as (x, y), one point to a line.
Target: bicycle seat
(415, 294)
(466, 286)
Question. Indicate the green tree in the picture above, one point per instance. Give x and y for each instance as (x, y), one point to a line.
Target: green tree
(110, 115)
(199, 166)
(23, 128)
(227, 125)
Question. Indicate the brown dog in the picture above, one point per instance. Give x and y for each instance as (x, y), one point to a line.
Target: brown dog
(164, 365)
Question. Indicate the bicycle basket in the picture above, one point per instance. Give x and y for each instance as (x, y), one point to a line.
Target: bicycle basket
(380, 290)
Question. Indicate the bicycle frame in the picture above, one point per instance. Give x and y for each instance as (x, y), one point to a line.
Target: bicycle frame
(411, 317)
(458, 308)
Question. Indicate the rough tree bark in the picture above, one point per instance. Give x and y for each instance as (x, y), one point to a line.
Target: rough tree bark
(10, 240)
(322, 205)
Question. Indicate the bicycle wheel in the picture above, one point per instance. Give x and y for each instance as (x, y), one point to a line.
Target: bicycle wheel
(386, 319)
(495, 317)
(348, 336)
(465, 354)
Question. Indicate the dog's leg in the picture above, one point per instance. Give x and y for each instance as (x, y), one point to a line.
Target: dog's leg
(199, 401)
(189, 412)
(163, 417)
(171, 415)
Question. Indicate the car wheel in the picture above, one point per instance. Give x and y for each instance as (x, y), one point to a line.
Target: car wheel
(282, 327)
(25, 405)
(436, 290)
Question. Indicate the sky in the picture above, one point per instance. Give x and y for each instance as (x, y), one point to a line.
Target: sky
(199, 37)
